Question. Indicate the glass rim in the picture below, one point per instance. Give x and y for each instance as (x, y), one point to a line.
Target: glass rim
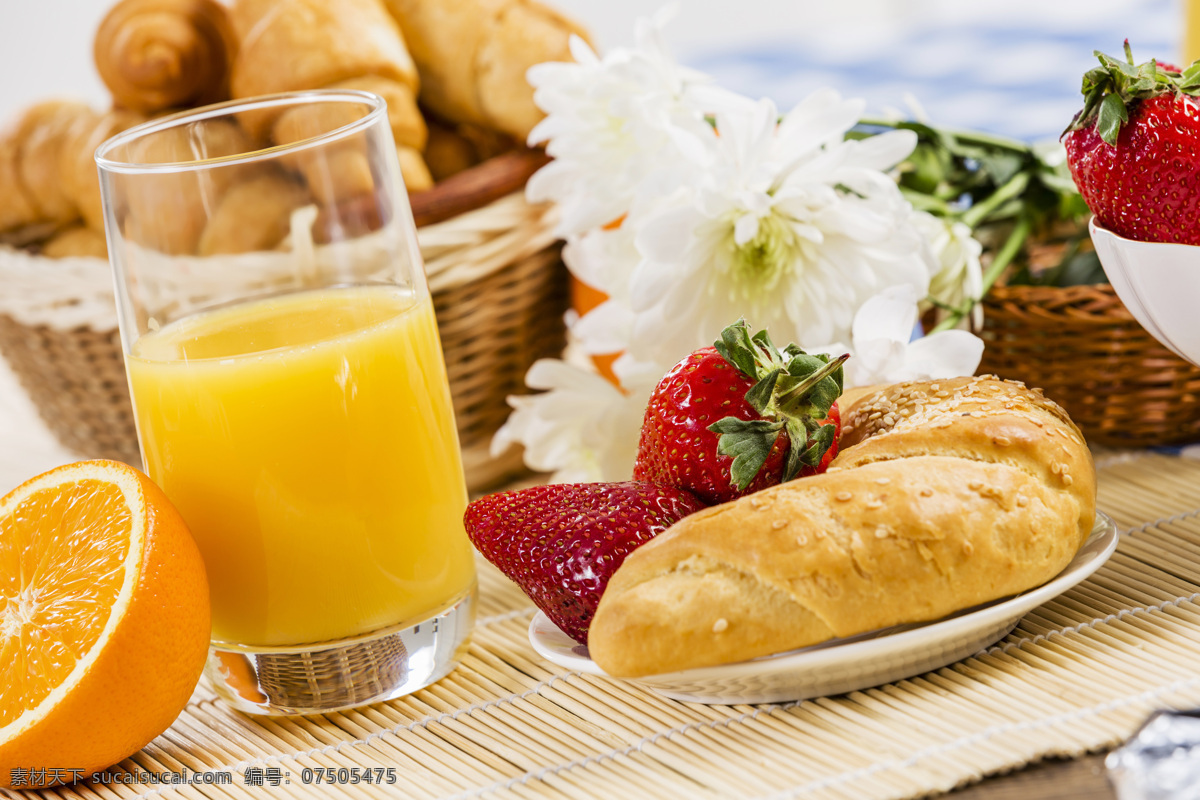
(376, 104)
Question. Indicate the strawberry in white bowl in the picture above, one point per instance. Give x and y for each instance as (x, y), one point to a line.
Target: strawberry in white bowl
(1134, 152)
(1134, 149)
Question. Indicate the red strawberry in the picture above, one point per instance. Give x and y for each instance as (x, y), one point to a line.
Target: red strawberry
(1134, 149)
(562, 543)
(737, 417)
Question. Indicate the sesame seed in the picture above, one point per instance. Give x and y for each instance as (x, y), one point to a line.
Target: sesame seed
(843, 496)
(882, 532)
(802, 540)
(883, 481)
(1002, 441)
(874, 504)
(1022, 500)
(1067, 479)
(927, 492)
(974, 486)
(779, 524)
(720, 625)
(935, 386)
(968, 548)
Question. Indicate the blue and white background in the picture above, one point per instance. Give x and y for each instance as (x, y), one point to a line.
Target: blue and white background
(1007, 66)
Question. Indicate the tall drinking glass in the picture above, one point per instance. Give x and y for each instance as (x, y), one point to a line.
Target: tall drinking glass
(290, 394)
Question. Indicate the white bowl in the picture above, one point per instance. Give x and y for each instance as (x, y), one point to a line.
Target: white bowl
(1160, 285)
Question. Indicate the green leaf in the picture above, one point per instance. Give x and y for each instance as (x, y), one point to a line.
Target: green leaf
(1190, 78)
(1112, 115)
(797, 444)
(1083, 269)
(825, 394)
(802, 364)
(822, 440)
(759, 396)
(767, 353)
(1058, 182)
(736, 347)
(1001, 166)
(749, 442)
(815, 448)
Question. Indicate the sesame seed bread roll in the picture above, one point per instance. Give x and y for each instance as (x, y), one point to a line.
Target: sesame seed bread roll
(946, 494)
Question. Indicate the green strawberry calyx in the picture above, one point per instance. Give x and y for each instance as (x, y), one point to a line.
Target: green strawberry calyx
(793, 392)
(1109, 89)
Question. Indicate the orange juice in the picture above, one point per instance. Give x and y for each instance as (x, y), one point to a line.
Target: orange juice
(309, 442)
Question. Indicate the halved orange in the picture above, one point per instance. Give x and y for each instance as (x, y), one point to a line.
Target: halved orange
(104, 620)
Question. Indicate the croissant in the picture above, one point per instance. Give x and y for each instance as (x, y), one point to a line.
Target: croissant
(945, 495)
(77, 163)
(159, 54)
(169, 211)
(77, 240)
(29, 165)
(292, 45)
(252, 215)
(473, 56)
(448, 152)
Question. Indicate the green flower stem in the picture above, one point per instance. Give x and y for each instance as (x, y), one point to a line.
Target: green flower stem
(977, 213)
(969, 137)
(1007, 253)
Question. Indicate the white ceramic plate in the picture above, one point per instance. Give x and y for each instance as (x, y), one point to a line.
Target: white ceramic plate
(846, 665)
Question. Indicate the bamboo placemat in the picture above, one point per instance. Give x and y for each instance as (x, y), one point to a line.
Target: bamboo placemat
(1078, 674)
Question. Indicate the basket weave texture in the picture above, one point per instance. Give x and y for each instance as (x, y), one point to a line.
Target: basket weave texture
(1083, 347)
(498, 286)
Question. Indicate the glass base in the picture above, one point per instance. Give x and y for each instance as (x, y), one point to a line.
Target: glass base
(330, 676)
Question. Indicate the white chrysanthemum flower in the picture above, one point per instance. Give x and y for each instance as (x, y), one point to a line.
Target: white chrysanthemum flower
(788, 225)
(604, 259)
(959, 275)
(582, 428)
(618, 127)
(883, 351)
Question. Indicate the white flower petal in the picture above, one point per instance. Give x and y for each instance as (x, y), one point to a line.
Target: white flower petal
(745, 229)
(607, 328)
(883, 151)
(665, 236)
(946, 354)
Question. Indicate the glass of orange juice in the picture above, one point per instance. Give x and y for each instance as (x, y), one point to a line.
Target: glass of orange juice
(290, 394)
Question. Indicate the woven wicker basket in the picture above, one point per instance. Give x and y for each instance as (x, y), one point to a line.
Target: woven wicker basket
(1087, 352)
(494, 270)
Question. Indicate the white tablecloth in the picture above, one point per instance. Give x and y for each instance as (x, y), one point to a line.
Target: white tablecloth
(26, 446)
